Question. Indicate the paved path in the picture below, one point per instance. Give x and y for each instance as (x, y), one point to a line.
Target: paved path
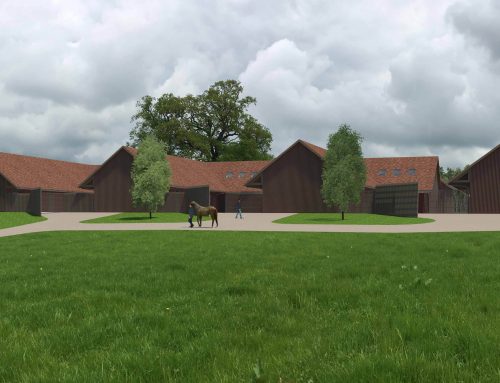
(263, 222)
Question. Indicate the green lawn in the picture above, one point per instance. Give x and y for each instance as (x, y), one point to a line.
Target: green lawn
(11, 219)
(143, 218)
(350, 219)
(205, 306)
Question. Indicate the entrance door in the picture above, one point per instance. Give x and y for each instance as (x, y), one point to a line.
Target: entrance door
(423, 202)
(221, 203)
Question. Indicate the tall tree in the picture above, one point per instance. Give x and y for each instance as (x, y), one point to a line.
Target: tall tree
(212, 126)
(450, 173)
(344, 171)
(150, 175)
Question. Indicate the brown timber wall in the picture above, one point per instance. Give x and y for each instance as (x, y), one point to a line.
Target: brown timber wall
(250, 202)
(484, 190)
(292, 184)
(66, 202)
(112, 184)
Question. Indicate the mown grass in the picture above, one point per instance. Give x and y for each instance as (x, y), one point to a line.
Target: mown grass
(350, 219)
(143, 218)
(205, 306)
(12, 219)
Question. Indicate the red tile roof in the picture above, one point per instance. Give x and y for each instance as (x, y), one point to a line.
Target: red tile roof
(188, 173)
(25, 172)
(425, 171)
(425, 168)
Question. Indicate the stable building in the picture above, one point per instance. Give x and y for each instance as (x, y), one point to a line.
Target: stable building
(292, 181)
(289, 183)
(37, 184)
(220, 184)
(481, 182)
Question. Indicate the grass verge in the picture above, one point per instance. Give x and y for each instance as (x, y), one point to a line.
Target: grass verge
(204, 307)
(143, 218)
(12, 219)
(350, 219)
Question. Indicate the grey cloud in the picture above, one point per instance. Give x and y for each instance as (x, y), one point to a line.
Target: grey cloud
(479, 20)
(395, 70)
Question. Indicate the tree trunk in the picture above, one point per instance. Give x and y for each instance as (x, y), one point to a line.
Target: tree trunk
(151, 215)
(342, 215)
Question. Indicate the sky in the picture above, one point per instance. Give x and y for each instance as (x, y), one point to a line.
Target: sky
(413, 77)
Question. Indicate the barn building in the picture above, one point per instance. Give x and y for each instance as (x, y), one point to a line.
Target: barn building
(481, 182)
(292, 181)
(289, 183)
(218, 183)
(34, 184)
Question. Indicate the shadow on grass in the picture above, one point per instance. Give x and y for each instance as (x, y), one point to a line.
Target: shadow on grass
(136, 219)
(325, 220)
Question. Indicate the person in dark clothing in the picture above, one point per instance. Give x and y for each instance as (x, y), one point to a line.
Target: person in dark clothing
(238, 209)
(191, 215)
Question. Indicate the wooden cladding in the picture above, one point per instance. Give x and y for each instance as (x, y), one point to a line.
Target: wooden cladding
(484, 179)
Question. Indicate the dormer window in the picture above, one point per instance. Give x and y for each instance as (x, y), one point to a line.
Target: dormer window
(396, 172)
(412, 172)
(382, 172)
(229, 175)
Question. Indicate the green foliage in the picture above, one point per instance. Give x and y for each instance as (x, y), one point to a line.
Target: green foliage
(11, 219)
(344, 171)
(156, 306)
(212, 126)
(448, 174)
(150, 175)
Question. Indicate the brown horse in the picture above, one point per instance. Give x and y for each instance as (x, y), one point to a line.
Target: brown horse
(202, 211)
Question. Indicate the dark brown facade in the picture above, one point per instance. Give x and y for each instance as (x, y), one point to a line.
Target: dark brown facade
(481, 181)
(112, 184)
(292, 184)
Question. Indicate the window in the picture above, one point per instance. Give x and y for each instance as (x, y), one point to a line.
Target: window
(229, 175)
(396, 172)
(412, 172)
(242, 174)
(382, 172)
(254, 174)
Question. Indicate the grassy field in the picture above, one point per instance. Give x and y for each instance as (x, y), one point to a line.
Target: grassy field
(143, 218)
(11, 219)
(350, 219)
(206, 306)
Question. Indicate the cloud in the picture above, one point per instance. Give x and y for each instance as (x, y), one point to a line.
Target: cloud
(411, 76)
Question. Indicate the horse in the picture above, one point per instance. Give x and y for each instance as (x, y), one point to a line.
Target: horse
(202, 211)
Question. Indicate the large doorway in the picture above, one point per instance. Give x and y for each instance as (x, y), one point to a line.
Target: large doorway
(423, 203)
(221, 202)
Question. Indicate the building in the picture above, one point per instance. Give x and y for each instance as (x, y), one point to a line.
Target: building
(481, 182)
(292, 181)
(289, 183)
(217, 183)
(28, 183)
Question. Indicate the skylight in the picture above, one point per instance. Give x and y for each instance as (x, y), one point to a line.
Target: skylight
(242, 174)
(382, 172)
(412, 172)
(396, 172)
(229, 175)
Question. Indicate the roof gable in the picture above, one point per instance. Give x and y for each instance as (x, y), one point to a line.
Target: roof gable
(466, 170)
(26, 172)
(229, 177)
(424, 168)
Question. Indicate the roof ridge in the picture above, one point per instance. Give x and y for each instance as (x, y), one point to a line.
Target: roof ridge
(47, 159)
